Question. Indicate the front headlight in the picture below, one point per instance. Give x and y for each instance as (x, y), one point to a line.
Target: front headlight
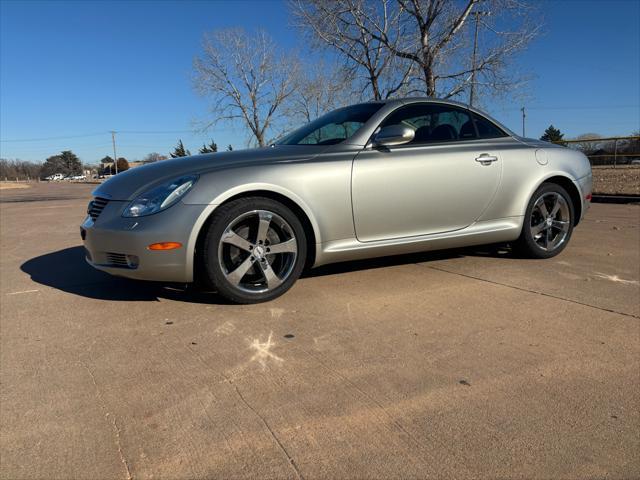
(161, 197)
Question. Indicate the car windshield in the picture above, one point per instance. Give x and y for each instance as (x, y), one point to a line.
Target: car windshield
(332, 128)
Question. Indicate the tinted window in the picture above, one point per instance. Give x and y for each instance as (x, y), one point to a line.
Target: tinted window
(487, 129)
(334, 127)
(434, 123)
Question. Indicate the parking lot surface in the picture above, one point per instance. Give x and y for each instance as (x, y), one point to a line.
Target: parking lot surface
(456, 364)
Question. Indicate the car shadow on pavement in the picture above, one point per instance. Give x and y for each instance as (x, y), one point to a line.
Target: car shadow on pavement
(496, 251)
(68, 271)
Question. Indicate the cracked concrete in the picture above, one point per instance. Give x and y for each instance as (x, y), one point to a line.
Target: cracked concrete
(111, 417)
(459, 364)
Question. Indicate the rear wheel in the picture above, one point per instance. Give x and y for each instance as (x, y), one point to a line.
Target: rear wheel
(254, 250)
(548, 222)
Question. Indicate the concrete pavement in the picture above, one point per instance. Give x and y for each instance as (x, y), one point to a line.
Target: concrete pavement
(466, 363)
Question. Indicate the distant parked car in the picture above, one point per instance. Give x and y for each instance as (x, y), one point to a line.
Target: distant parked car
(374, 179)
(55, 177)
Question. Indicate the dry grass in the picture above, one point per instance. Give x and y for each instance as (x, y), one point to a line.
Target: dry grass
(624, 180)
(11, 185)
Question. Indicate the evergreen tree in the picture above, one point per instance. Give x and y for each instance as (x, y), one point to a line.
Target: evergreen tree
(229, 148)
(552, 134)
(180, 151)
(53, 165)
(66, 162)
(211, 148)
(72, 162)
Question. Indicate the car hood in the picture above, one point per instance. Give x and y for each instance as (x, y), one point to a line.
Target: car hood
(127, 185)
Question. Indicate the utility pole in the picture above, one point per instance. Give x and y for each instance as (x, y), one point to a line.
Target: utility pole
(473, 58)
(115, 156)
(524, 115)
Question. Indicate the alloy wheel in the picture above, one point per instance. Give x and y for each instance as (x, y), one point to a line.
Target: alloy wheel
(550, 221)
(257, 251)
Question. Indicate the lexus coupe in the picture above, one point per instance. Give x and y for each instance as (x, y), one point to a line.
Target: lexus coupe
(368, 180)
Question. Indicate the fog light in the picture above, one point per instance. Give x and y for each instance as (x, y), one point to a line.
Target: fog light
(133, 261)
(164, 246)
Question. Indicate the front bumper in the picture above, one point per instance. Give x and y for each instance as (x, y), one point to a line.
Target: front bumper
(118, 245)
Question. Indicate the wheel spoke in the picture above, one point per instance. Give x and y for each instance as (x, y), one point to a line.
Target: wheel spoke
(536, 229)
(542, 207)
(561, 225)
(556, 205)
(547, 238)
(269, 275)
(236, 276)
(263, 225)
(289, 246)
(553, 242)
(236, 240)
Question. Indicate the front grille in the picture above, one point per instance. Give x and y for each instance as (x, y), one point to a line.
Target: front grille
(96, 206)
(117, 259)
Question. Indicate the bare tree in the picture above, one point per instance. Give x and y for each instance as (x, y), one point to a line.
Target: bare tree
(589, 142)
(246, 79)
(355, 29)
(153, 157)
(438, 39)
(320, 90)
(19, 170)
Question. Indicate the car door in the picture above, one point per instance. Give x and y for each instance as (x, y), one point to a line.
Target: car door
(441, 181)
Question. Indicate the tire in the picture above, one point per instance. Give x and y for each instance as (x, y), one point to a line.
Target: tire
(546, 235)
(239, 254)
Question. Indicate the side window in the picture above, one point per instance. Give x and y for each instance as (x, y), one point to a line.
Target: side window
(433, 123)
(487, 129)
(331, 133)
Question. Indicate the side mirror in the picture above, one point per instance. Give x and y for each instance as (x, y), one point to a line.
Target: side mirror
(393, 135)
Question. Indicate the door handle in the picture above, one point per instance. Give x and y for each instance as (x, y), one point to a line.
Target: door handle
(486, 159)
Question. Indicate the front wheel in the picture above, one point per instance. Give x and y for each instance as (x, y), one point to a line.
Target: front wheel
(255, 250)
(548, 223)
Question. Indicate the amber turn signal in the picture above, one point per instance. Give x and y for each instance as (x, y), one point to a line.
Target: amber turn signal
(164, 246)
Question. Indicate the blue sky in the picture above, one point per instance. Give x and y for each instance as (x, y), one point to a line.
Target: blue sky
(79, 69)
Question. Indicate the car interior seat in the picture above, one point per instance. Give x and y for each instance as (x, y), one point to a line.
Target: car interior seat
(467, 130)
(443, 132)
(422, 134)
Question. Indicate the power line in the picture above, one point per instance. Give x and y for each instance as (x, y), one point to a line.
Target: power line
(599, 107)
(64, 137)
(54, 138)
(154, 132)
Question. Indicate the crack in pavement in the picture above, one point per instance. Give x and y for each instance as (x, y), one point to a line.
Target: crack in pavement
(271, 432)
(113, 420)
(230, 382)
(522, 289)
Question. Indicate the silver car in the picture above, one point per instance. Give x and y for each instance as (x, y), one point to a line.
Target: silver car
(369, 180)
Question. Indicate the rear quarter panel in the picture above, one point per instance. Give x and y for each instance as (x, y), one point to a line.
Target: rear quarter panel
(525, 168)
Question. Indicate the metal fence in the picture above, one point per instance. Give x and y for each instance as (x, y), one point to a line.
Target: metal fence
(610, 151)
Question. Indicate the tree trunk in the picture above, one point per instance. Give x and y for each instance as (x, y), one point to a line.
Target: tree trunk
(374, 86)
